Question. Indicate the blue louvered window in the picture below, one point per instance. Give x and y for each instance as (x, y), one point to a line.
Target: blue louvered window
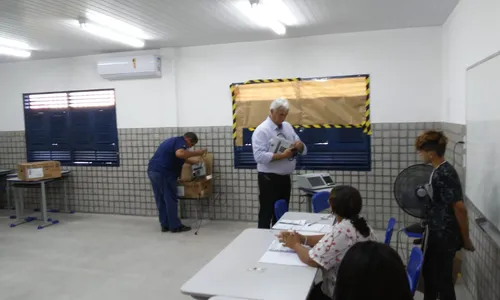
(347, 149)
(74, 127)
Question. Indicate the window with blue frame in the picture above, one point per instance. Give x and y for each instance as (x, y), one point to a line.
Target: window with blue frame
(73, 127)
(347, 149)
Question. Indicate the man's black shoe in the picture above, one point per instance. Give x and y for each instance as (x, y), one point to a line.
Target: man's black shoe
(182, 228)
(164, 229)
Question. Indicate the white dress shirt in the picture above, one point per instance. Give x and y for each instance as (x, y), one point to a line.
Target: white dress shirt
(261, 140)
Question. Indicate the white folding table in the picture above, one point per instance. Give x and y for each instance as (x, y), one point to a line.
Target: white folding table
(236, 272)
(19, 201)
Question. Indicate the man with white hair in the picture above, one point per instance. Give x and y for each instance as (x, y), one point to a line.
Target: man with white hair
(274, 168)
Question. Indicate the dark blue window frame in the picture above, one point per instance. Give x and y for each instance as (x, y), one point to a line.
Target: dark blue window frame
(341, 149)
(70, 130)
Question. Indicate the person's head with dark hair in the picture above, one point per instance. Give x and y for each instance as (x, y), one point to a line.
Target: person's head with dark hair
(191, 139)
(431, 145)
(372, 270)
(346, 203)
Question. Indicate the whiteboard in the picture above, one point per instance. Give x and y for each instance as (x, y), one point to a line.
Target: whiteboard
(482, 180)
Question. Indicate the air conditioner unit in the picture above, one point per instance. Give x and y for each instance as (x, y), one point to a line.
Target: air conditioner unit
(130, 67)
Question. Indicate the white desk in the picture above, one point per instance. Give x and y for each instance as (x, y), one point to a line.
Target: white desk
(14, 181)
(236, 272)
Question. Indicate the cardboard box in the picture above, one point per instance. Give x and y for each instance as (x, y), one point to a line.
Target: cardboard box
(191, 188)
(195, 189)
(39, 170)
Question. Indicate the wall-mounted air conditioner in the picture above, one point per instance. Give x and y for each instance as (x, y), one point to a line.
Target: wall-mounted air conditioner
(130, 67)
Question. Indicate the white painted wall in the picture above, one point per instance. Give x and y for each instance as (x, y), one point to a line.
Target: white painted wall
(140, 103)
(405, 66)
(470, 35)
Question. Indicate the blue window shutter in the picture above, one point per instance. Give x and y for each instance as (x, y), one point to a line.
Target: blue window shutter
(243, 155)
(328, 149)
(95, 136)
(75, 128)
(47, 135)
(342, 149)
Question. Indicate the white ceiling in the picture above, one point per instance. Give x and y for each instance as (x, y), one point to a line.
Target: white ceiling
(48, 25)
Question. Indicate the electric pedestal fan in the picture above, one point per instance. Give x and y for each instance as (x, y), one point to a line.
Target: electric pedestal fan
(411, 190)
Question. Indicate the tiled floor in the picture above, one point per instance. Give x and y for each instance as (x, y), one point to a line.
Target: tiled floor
(108, 257)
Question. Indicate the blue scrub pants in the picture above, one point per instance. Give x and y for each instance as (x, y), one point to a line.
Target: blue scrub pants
(165, 191)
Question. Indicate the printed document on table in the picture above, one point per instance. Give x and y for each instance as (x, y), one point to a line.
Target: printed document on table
(281, 255)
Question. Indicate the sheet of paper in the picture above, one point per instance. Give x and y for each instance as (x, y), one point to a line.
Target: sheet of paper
(276, 246)
(35, 173)
(283, 226)
(281, 258)
(311, 228)
(309, 233)
(292, 222)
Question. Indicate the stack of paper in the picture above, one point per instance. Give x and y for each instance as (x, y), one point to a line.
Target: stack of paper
(289, 224)
(281, 255)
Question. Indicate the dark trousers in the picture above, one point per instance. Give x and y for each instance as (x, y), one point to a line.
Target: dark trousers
(438, 275)
(272, 187)
(165, 191)
(317, 293)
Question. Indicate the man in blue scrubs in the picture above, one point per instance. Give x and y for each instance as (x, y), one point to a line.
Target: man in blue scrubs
(163, 170)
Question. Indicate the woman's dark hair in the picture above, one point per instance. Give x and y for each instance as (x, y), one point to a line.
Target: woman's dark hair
(372, 270)
(346, 202)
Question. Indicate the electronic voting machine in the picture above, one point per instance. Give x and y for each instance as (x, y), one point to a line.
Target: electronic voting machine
(316, 181)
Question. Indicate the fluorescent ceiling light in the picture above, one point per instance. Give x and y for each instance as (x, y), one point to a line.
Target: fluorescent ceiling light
(116, 25)
(279, 10)
(273, 14)
(112, 35)
(14, 44)
(14, 52)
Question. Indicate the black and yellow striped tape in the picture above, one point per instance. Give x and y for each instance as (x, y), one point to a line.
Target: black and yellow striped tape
(272, 80)
(323, 126)
(367, 125)
(233, 96)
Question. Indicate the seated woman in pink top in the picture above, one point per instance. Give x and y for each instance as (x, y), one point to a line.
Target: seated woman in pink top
(328, 250)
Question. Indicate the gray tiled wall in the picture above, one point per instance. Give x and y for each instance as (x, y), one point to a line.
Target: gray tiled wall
(481, 269)
(126, 190)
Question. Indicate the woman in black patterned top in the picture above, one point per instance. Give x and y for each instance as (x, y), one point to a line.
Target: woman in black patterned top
(446, 218)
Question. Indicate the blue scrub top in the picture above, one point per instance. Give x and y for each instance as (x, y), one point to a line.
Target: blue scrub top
(164, 160)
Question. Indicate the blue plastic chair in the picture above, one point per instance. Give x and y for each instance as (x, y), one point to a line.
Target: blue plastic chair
(413, 231)
(389, 231)
(280, 208)
(414, 266)
(320, 201)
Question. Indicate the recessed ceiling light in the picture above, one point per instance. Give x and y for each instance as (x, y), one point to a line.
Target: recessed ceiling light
(14, 52)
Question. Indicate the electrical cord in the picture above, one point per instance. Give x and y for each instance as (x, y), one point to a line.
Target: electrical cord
(455, 150)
